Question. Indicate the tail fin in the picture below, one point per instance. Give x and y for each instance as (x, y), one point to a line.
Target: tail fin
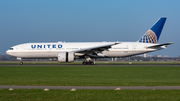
(153, 34)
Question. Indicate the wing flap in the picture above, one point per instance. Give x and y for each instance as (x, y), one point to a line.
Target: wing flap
(96, 49)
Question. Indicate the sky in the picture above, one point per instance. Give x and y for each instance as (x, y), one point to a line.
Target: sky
(24, 21)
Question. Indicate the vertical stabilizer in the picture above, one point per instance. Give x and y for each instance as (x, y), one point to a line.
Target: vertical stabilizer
(153, 34)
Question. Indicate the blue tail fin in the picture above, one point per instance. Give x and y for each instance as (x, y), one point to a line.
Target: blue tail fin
(153, 34)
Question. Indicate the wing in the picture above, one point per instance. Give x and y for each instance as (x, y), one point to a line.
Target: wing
(97, 49)
(159, 45)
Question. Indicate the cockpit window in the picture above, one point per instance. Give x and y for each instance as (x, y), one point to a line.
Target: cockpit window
(10, 48)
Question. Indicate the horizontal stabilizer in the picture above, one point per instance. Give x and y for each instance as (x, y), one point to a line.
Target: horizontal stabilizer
(159, 45)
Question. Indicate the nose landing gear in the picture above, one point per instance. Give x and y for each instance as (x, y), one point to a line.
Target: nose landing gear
(20, 62)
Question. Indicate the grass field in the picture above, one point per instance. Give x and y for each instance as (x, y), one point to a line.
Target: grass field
(90, 75)
(89, 95)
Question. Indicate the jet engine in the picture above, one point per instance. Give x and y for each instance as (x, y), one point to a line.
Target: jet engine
(66, 57)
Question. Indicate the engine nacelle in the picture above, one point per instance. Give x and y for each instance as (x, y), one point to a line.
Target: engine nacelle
(66, 57)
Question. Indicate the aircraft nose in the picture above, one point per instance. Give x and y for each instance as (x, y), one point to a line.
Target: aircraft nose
(7, 52)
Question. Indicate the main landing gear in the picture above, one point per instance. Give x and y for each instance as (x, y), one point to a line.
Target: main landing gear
(88, 61)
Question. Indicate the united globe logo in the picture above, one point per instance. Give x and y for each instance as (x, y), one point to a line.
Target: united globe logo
(148, 37)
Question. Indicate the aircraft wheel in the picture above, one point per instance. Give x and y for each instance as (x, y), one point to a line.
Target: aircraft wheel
(21, 63)
(84, 63)
(92, 63)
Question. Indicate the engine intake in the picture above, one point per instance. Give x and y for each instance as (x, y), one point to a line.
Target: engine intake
(66, 57)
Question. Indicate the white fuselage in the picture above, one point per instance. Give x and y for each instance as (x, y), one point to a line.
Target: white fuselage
(50, 50)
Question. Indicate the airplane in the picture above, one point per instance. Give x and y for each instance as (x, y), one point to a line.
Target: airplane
(69, 51)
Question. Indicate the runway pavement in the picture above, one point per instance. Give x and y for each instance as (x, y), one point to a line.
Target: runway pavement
(92, 87)
(88, 65)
